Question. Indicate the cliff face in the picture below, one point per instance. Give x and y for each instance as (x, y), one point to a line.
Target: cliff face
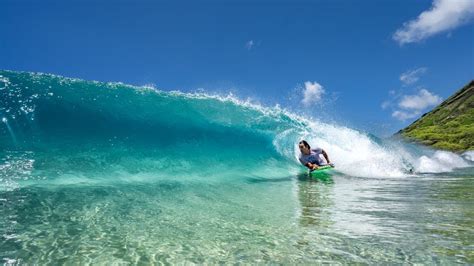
(450, 126)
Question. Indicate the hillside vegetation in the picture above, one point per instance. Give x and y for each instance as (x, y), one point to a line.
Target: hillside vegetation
(449, 126)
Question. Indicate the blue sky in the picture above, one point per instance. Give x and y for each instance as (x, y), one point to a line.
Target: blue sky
(371, 65)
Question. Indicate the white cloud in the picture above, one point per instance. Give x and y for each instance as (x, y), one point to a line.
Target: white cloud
(444, 15)
(412, 76)
(410, 106)
(312, 93)
(420, 101)
(404, 115)
(249, 45)
(386, 104)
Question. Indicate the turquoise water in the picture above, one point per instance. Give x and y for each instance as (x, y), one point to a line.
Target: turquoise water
(110, 173)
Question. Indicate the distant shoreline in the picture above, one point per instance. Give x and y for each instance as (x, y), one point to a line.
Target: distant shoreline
(449, 126)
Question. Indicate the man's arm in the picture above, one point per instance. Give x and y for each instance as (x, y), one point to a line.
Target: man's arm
(326, 156)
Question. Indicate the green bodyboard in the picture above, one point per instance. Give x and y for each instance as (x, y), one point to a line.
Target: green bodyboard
(322, 169)
(322, 172)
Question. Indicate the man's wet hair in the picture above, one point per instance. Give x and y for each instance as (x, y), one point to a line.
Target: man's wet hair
(305, 144)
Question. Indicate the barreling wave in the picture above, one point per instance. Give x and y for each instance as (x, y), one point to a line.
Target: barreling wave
(68, 129)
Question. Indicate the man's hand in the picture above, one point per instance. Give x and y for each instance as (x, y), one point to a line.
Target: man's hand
(312, 166)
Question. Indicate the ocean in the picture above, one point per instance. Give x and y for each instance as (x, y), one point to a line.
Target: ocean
(109, 173)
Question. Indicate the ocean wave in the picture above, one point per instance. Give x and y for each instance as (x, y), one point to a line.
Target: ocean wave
(119, 128)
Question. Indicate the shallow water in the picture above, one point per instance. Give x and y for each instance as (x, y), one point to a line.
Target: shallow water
(423, 219)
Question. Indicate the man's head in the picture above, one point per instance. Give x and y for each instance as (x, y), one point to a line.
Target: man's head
(304, 147)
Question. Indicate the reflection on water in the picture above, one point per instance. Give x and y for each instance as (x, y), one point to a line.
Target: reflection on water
(315, 199)
(422, 219)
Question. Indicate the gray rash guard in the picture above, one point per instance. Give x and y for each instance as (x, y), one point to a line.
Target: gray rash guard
(315, 156)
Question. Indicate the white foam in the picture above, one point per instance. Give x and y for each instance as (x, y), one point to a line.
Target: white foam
(358, 154)
(355, 153)
(440, 161)
(468, 155)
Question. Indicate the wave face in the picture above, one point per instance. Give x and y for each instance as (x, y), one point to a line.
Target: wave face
(58, 130)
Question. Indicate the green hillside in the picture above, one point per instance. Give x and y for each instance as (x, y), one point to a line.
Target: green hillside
(450, 126)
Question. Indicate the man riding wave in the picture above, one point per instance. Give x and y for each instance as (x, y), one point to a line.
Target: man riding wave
(313, 158)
